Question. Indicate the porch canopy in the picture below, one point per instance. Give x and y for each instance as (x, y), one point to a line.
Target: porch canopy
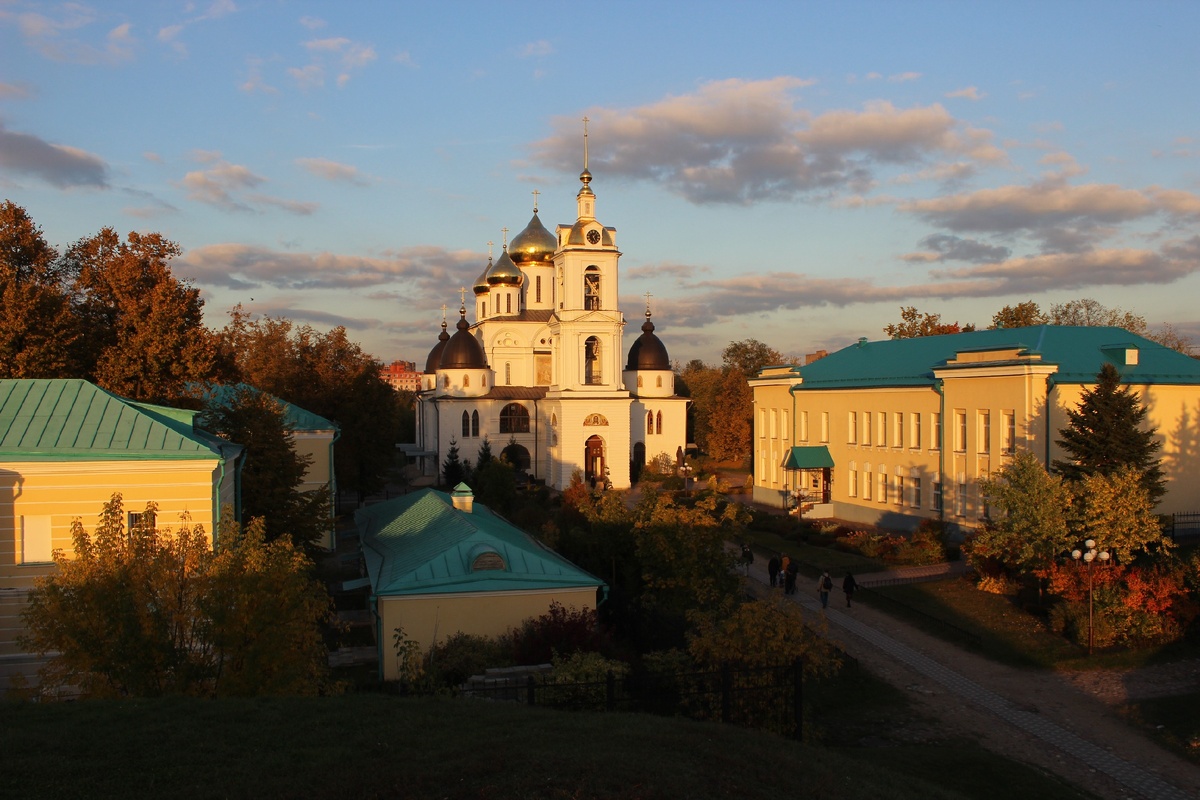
(814, 457)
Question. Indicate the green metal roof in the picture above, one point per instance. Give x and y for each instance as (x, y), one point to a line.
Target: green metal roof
(1078, 352)
(297, 418)
(64, 419)
(420, 544)
(814, 457)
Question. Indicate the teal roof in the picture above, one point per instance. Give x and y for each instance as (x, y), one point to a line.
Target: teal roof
(420, 544)
(1078, 352)
(48, 420)
(814, 457)
(297, 418)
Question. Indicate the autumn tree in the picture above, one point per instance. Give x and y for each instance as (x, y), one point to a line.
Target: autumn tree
(749, 356)
(913, 324)
(144, 335)
(1028, 529)
(1022, 315)
(274, 472)
(148, 611)
(731, 420)
(329, 375)
(37, 329)
(1105, 434)
(702, 384)
(1116, 510)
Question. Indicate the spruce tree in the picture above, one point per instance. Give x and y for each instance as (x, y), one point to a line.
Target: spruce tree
(1105, 434)
(453, 471)
(485, 454)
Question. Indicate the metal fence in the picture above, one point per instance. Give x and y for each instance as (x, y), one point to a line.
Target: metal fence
(770, 698)
(1185, 525)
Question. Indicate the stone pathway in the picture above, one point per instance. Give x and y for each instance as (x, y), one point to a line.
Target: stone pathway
(1132, 777)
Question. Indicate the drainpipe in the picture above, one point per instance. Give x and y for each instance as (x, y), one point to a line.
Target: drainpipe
(939, 387)
(537, 427)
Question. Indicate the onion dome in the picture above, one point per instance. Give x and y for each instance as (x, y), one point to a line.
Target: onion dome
(463, 351)
(435, 355)
(534, 245)
(648, 351)
(481, 283)
(505, 272)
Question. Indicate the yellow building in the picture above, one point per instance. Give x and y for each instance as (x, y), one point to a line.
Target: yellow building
(438, 564)
(65, 447)
(892, 432)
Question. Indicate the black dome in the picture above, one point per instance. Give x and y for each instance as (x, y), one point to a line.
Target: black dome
(463, 351)
(648, 352)
(435, 355)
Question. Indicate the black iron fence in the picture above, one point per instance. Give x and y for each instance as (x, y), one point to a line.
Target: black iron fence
(770, 698)
(1185, 525)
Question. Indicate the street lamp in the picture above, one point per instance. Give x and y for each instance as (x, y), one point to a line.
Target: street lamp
(1089, 556)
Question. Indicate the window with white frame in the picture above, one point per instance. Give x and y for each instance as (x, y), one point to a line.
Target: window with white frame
(762, 423)
(883, 484)
(784, 431)
(866, 439)
(914, 431)
(882, 420)
(960, 431)
(897, 429)
(804, 426)
(867, 484)
(960, 500)
(852, 479)
(774, 423)
(935, 432)
(1009, 431)
(852, 428)
(936, 503)
(916, 493)
(985, 431)
(36, 542)
(898, 493)
(824, 427)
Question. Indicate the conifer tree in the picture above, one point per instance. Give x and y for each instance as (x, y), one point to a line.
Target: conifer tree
(1105, 434)
(485, 454)
(453, 469)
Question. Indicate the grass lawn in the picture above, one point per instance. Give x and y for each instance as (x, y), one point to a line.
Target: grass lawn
(813, 559)
(370, 745)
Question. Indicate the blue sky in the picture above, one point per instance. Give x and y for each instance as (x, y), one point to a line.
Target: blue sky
(791, 172)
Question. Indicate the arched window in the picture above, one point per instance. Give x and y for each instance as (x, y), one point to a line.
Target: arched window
(507, 373)
(474, 423)
(514, 418)
(483, 381)
(649, 422)
(591, 288)
(659, 381)
(445, 381)
(508, 304)
(466, 425)
(658, 423)
(466, 381)
(591, 361)
(639, 381)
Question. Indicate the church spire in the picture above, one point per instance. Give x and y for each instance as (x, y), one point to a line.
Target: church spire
(586, 199)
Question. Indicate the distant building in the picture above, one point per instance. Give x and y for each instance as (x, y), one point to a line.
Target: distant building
(440, 564)
(402, 376)
(65, 447)
(539, 372)
(896, 431)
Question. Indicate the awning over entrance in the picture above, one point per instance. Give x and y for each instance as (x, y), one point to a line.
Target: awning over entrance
(815, 457)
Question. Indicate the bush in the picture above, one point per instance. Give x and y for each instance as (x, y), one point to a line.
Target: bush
(463, 655)
(580, 680)
(560, 631)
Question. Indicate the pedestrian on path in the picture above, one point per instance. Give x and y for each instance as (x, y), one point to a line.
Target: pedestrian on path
(824, 587)
(849, 585)
(773, 568)
(789, 577)
(747, 558)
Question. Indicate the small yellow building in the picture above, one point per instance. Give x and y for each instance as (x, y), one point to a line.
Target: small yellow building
(65, 447)
(440, 564)
(892, 432)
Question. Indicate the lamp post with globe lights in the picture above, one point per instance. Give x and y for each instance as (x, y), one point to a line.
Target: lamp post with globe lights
(1088, 556)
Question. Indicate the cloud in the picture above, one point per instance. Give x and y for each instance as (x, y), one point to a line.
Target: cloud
(169, 36)
(333, 171)
(665, 270)
(14, 91)
(223, 185)
(309, 77)
(904, 77)
(254, 80)
(736, 141)
(59, 38)
(59, 165)
(1061, 215)
(539, 48)
(312, 23)
(427, 273)
(967, 93)
(152, 206)
(404, 57)
(350, 56)
(944, 247)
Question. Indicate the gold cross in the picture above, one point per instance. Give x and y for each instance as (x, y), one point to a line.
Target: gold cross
(505, 232)
(462, 296)
(443, 313)
(648, 296)
(490, 243)
(535, 197)
(585, 143)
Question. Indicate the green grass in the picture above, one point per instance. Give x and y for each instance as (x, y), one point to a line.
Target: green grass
(366, 746)
(813, 559)
(1174, 721)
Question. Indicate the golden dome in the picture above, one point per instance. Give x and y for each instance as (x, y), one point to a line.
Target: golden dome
(534, 245)
(481, 283)
(505, 272)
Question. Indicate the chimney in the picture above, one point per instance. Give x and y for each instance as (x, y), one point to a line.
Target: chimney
(463, 498)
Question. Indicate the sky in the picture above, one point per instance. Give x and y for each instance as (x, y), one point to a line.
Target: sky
(791, 172)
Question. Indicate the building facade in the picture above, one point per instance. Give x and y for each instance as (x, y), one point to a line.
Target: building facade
(65, 447)
(402, 376)
(540, 373)
(892, 432)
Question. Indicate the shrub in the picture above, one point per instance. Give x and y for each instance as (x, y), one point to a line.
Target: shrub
(463, 655)
(996, 584)
(561, 631)
(580, 680)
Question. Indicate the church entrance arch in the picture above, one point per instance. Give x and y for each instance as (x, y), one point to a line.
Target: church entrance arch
(639, 461)
(594, 460)
(518, 456)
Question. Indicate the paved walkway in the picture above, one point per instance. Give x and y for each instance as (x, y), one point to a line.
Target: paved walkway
(1132, 777)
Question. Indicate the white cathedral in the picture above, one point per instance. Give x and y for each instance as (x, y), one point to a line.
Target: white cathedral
(539, 372)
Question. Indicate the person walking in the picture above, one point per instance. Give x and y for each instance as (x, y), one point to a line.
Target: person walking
(849, 586)
(747, 558)
(824, 587)
(789, 577)
(773, 568)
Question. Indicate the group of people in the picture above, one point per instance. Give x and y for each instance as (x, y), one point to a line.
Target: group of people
(782, 570)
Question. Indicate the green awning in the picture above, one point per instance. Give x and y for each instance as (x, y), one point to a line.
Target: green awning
(816, 457)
